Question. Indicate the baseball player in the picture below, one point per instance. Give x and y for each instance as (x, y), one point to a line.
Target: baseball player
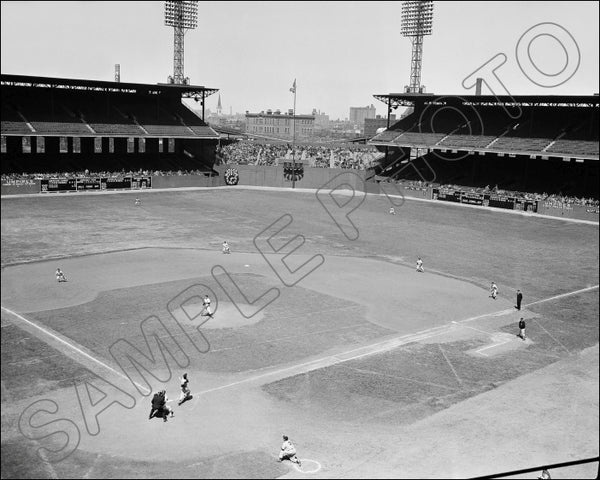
(60, 276)
(288, 451)
(420, 265)
(392, 211)
(521, 329)
(545, 475)
(186, 393)
(160, 407)
(493, 291)
(138, 202)
(225, 247)
(206, 304)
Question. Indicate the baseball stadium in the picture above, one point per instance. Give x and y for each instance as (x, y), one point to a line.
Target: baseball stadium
(321, 328)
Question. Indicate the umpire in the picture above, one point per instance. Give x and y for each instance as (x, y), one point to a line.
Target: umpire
(519, 300)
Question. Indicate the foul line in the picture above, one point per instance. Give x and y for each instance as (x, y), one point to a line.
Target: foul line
(562, 295)
(71, 346)
(385, 345)
(330, 360)
(473, 328)
(500, 313)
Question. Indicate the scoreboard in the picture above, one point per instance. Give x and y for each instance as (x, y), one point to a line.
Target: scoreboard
(94, 183)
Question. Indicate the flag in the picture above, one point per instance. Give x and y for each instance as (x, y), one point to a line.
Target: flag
(293, 89)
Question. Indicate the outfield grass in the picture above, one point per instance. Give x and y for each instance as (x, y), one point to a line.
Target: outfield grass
(542, 257)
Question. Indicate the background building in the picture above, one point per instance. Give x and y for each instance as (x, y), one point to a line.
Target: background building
(280, 125)
(359, 114)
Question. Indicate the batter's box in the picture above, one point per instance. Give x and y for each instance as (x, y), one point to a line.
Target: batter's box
(500, 342)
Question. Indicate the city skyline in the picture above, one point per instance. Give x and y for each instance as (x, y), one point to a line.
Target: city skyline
(340, 58)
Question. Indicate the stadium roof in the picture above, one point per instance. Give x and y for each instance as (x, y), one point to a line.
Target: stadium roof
(188, 91)
(395, 100)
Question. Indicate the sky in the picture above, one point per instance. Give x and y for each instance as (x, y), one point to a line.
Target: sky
(339, 53)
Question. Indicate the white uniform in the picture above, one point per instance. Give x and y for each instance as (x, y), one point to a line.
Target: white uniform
(226, 248)
(288, 452)
(420, 265)
(206, 305)
(185, 390)
(494, 291)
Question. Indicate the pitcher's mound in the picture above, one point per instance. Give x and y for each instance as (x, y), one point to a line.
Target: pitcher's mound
(226, 316)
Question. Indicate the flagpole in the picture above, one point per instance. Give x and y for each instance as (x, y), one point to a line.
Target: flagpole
(294, 140)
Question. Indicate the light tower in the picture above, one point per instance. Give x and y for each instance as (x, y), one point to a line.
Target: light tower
(417, 19)
(182, 15)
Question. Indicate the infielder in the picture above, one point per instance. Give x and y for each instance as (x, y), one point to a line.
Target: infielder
(420, 265)
(493, 291)
(206, 304)
(225, 247)
(60, 276)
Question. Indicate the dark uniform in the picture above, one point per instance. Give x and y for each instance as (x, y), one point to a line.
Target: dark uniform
(158, 400)
(519, 299)
(522, 328)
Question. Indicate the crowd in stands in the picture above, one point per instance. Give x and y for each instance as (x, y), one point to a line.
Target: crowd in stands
(352, 156)
(540, 197)
(13, 178)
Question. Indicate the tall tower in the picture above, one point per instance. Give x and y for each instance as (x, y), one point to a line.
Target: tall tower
(219, 107)
(182, 15)
(417, 19)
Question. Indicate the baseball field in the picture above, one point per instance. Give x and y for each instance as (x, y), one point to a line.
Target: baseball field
(372, 369)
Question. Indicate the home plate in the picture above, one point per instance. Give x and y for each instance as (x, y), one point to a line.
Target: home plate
(308, 466)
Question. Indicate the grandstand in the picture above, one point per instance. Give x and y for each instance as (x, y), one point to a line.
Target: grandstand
(529, 143)
(58, 124)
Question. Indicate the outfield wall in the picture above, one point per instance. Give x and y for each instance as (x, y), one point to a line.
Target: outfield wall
(264, 176)
(21, 187)
(579, 212)
(312, 178)
(181, 181)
